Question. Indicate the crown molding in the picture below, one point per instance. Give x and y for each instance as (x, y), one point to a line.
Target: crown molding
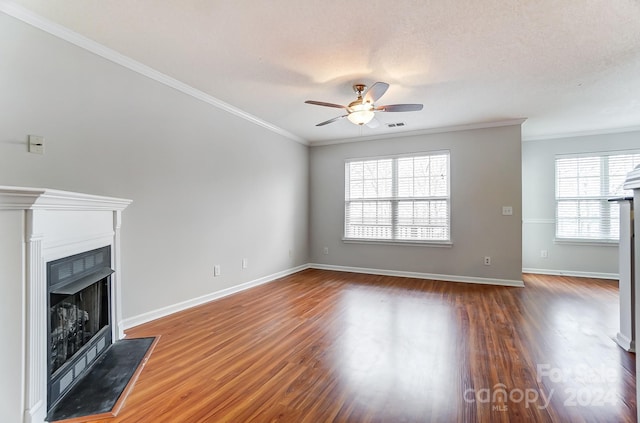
(581, 133)
(438, 130)
(28, 17)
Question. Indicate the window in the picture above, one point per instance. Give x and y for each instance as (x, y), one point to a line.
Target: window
(399, 199)
(584, 183)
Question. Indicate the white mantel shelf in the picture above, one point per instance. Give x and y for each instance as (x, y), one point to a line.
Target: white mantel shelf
(37, 226)
(19, 198)
(633, 179)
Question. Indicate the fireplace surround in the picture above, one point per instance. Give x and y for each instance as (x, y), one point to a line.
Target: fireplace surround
(79, 293)
(40, 227)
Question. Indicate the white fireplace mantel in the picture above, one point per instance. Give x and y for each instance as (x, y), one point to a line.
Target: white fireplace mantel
(633, 182)
(17, 198)
(37, 226)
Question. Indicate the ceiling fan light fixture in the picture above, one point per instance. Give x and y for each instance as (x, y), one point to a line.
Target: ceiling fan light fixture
(362, 110)
(361, 114)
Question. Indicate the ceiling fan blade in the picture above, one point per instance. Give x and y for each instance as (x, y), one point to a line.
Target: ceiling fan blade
(322, 103)
(376, 91)
(331, 120)
(399, 108)
(373, 123)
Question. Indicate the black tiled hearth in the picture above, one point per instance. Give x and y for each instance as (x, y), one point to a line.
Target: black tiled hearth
(99, 390)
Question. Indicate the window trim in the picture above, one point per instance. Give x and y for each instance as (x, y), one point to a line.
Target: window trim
(586, 242)
(405, 242)
(395, 199)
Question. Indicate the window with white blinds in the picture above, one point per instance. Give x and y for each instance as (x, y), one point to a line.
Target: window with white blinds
(401, 198)
(584, 184)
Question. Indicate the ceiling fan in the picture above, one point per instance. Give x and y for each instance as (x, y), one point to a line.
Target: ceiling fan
(362, 110)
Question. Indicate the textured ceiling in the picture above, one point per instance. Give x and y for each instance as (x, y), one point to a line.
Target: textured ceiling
(567, 66)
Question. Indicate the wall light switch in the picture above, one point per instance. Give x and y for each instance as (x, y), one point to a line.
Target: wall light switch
(36, 144)
(507, 211)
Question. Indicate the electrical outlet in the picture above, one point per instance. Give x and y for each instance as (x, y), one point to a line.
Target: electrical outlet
(544, 254)
(487, 261)
(216, 270)
(325, 251)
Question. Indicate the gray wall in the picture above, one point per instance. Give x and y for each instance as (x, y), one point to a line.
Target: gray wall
(538, 199)
(485, 175)
(12, 312)
(207, 187)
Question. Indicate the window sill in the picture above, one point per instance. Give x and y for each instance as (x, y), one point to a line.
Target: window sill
(586, 242)
(440, 244)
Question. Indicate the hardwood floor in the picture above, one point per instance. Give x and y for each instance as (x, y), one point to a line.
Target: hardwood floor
(322, 346)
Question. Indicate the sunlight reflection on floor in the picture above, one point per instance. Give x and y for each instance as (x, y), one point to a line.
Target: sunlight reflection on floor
(391, 349)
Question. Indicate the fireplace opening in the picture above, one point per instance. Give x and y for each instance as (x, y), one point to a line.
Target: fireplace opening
(79, 317)
(75, 319)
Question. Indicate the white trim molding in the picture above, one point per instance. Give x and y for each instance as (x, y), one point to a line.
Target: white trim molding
(438, 130)
(573, 273)
(88, 44)
(35, 327)
(586, 242)
(625, 343)
(419, 275)
(633, 179)
(437, 244)
(535, 221)
(185, 305)
(19, 198)
(576, 134)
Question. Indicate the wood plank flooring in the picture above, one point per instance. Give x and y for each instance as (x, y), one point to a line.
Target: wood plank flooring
(323, 346)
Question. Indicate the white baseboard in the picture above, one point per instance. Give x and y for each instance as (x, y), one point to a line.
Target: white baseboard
(417, 275)
(184, 305)
(574, 273)
(626, 343)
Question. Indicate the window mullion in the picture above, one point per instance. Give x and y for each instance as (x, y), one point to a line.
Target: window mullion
(394, 201)
(605, 212)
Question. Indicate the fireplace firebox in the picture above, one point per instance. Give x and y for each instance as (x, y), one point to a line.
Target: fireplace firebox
(79, 317)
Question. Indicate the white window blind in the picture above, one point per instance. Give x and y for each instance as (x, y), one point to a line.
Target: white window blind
(403, 198)
(584, 184)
